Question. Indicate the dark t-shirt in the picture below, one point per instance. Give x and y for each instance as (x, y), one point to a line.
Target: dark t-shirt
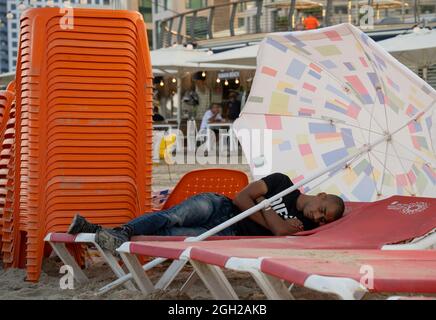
(286, 207)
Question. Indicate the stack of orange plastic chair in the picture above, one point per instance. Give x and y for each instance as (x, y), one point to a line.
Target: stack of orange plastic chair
(7, 108)
(84, 125)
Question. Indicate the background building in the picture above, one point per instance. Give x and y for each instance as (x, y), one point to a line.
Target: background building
(10, 11)
(4, 59)
(215, 23)
(146, 8)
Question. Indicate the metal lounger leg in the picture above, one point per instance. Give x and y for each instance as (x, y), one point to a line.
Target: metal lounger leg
(170, 274)
(114, 265)
(63, 253)
(135, 268)
(193, 277)
(273, 288)
(215, 280)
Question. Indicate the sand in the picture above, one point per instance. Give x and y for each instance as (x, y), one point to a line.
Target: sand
(14, 286)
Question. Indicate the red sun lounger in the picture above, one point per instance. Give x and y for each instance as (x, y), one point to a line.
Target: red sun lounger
(346, 273)
(391, 224)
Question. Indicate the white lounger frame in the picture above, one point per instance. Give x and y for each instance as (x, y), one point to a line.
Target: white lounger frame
(213, 277)
(216, 282)
(86, 238)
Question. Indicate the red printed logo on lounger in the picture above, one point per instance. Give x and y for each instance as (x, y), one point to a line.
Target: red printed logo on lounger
(408, 208)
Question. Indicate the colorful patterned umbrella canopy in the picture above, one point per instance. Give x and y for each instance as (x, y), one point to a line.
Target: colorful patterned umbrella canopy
(322, 96)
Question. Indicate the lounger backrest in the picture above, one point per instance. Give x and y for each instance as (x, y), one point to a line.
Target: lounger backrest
(223, 181)
(389, 221)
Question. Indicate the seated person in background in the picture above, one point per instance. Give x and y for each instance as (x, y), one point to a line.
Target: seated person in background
(156, 116)
(213, 115)
(234, 107)
(290, 214)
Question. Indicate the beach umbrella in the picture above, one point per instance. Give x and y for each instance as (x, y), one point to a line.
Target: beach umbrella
(334, 97)
(383, 4)
(417, 48)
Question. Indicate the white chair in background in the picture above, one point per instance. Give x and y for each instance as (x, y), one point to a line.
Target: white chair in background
(202, 135)
(233, 143)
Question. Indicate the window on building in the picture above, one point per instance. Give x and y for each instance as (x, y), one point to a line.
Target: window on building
(196, 4)
(426, 9)
(150, 38)
(200, 26)
(160, 5)
(341, 9)
(145, 7)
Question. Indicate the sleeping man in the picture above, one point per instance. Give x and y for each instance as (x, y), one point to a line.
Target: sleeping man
(290, 214)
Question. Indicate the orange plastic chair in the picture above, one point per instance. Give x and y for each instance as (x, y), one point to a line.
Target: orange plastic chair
(223, 181)
(7, 109)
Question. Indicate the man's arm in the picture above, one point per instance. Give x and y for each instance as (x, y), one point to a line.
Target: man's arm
(268, 219)
(213, 118)
(282, 227)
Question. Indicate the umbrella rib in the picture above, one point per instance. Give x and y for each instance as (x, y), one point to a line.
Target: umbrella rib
(315, 118)
(424, 159)
(392, 155)
(334, 173)
(372, 173)
(378, 76)
(361, 130)
(384, 166)
(404, 170)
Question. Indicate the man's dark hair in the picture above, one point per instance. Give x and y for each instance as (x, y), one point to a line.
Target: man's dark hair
(339, 203)
(215, 104)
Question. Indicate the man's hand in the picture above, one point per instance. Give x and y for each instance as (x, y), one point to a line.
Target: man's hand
(295, 224)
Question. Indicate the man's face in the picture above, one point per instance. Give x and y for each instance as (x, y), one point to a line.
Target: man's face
(320, 210)
(215, 109)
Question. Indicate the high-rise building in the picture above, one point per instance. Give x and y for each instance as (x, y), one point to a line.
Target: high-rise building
(4, 65)
(13, 8)
(146, 9)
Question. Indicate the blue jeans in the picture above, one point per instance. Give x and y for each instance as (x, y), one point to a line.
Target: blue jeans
(192, 217)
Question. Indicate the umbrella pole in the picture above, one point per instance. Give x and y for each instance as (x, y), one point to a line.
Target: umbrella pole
(179, 96)
(266, 203)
